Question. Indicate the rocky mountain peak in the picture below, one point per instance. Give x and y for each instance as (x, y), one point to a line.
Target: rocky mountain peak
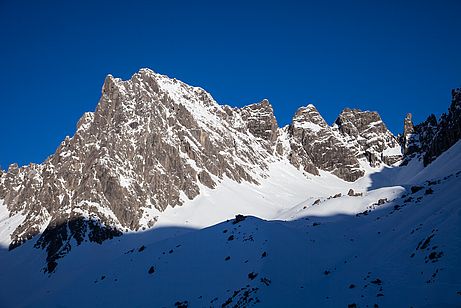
(448, 130)
(432, 137)
(261, 121)
(309, 116)
(152, 142)
(421, 135)
(369, 136)
(355, 121)
(408, 127)
(314, 145)
(155, 142)
(408, 130)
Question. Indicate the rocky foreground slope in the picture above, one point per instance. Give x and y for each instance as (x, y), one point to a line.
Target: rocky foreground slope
(155, 143)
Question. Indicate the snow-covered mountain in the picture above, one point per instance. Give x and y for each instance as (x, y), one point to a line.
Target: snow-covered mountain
(143, 199)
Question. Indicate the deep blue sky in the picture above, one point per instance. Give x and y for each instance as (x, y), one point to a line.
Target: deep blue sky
(391, 56)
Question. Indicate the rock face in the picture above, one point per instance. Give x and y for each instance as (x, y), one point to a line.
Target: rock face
(154, 142)
(449, 129)
(431, 138)
(368, 136)
(419, 138)
(261, 121)
(356, 135)
(314, 145)
(408, 130)
(408, 127)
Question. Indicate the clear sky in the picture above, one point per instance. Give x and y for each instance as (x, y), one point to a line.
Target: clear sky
(391, 56)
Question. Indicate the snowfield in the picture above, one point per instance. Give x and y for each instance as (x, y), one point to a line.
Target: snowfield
(303, 241)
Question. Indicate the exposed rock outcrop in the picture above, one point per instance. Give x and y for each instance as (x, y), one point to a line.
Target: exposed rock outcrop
(431, 138)
(260, 120)
(449, 129)
(408, 130)
(367, 135)
(314, 145)
(421, 136)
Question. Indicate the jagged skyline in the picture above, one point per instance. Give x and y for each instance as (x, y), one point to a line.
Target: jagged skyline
(391, 58)
(160, 170)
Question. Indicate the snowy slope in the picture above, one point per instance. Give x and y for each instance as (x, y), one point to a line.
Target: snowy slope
(403, 251)
(284, 188)
(448, 161)
(414, 172)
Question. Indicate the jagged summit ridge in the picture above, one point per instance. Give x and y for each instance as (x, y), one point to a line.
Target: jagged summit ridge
(367, 134)
(151, 143)
(314, 146)
(261, 121)
(154, 142)
(432, 137)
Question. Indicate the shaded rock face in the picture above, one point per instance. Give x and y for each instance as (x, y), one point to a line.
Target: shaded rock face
(449, 129)
(58, 236)
(261, 121)
(368, 137)
(420, 137)
(314, 145)
(431, 138)
(408, 130)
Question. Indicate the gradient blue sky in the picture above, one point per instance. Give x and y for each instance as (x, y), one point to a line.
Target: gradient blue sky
(391, 56)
